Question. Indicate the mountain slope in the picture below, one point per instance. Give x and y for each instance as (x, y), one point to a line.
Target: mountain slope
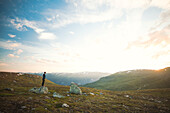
(24, 81)
(79, 78)
(134, 80)
(93, 100)
(21, 80)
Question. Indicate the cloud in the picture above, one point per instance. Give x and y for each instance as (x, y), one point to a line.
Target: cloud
(9, 45)
(12, 56)
(49, 19)
(12, 36)
(92, 11)
(18, 25)
(45, 61)
(81, 17)
(13, 45)
(24, 24)
(164, 4)
(161, 37)
(3, 64)
(19, 51)
(155, 45)
(71, 32)
(45, 35)
(95, 4)
(161, 54)
(163, 20)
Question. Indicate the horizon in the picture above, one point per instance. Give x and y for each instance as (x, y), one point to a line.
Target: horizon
(86, 71)
(72, 36)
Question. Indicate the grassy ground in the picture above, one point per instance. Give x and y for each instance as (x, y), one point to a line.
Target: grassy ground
(134, 80)
(21, 100)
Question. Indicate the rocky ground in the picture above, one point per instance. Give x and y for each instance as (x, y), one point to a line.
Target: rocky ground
(18, 99)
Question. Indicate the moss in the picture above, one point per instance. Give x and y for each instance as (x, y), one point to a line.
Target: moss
(58, 105)
(6, 94)
(40, 109)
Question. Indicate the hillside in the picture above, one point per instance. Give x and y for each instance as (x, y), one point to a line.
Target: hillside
(93, 100)
(134, 80)
(80, 78)
(20, 80)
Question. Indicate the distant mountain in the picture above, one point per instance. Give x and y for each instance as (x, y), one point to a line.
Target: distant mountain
(79, 78)
(134, 80)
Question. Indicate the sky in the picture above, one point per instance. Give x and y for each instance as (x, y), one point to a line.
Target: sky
(84, 35)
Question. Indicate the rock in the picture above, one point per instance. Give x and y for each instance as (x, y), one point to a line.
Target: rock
(23, 107)
(151, 99)
(75, 89)
(30, 98)
(127, 96)
(34, 90)
(19, 74)
(46, 109)
(42, 90)
(65, 105)
(9, 89)
(46, 97)
(33, 109)
(91, 93)
(157, 101)
(125, 106)
(57, 95)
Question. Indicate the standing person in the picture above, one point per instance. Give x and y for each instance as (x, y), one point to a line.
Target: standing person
(43, 79)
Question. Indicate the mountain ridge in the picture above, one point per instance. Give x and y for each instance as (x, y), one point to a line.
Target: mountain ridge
(134, 80)
(80, 78)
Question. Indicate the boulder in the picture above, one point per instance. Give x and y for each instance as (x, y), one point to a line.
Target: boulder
(57, 95)
(42, 90)
(65, 105)
(75, 89)
(91, 93)
(47, 97)
(34, 90)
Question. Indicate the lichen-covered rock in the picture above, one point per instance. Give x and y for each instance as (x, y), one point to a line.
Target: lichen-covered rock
(75, 89)
(42, 90)
(34, 90)
(57, 95)
(65, 105)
